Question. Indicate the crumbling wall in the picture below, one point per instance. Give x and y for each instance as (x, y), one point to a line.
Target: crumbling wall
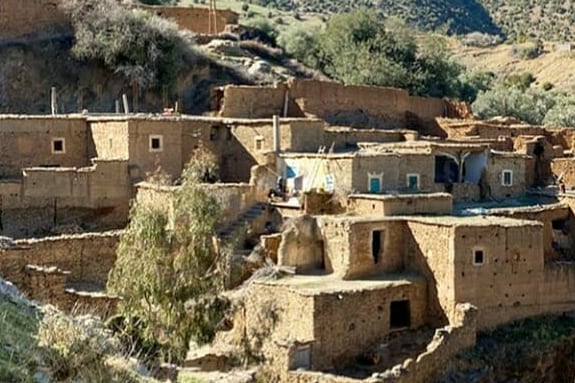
(564, 168)
(20, 18)
(196, 19)
(27, 141)
(88, 257)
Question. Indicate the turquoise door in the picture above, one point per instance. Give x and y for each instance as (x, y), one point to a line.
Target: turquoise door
(374, 185)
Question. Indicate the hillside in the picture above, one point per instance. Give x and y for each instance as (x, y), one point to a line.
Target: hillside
(551, 67)
(551, 20)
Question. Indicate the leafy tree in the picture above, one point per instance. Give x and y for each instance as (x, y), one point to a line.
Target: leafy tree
(530, 106)
(562, 113)
(358, 48)
(170, 273)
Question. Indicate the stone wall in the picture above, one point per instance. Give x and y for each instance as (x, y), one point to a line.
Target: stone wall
(28, 141)
(19, 18)
(196, 19)
(87, 257)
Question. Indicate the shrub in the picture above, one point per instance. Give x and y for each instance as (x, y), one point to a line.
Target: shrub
(146, 49)
(528, 50)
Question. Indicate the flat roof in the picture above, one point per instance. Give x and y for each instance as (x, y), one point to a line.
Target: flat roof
(475, 221)
(438, 220)
(393, 196)
(331, 284)
(189, 117)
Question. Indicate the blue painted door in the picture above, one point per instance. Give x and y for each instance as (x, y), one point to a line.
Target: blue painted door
(374, 185)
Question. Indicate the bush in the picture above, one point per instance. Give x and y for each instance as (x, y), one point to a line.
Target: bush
(527, 51)
(146, 49)
(80, 349)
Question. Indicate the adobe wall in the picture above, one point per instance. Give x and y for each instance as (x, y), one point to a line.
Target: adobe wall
(518, 164)
(338, 104)
(48, 285)
(509, 279)
(345, 138)
(332, 101)
(234, 199)
(564, 168)
(400, 204)
(88, 257)
(111, 139)
(26, 141)
(447, 342)
(394, 169)
(359, 320)
(431, 253)
(19, 18)
(347, 246)
(546, 215)
(242, 101)
(196, 19)
(338, 167)
(95, 197)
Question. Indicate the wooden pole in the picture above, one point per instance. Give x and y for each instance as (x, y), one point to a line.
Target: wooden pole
(53, 101)
(126, 106)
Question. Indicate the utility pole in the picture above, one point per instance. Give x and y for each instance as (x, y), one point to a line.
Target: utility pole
(213, 18)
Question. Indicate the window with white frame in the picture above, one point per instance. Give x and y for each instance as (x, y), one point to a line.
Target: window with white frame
(156, 143)
(507, 177)
(58, 145)
(412, 180)
(374, 182)
(478, 256)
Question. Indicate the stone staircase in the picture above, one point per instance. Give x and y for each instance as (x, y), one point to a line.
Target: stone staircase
(244, 221)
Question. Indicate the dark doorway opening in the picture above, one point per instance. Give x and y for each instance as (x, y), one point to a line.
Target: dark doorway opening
(446, 170)
(400, 315)
(376, 244)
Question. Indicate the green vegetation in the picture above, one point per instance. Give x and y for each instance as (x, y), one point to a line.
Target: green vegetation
(47, 345)
(170, 274)
(519, 20)
(357, 48)
(146, 49)
(514, 98)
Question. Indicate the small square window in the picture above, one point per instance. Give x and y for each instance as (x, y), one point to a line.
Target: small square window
(507, 178)
(259, 143)
(478, 257)
(58, 145)
(413, 181)
(156, 143)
